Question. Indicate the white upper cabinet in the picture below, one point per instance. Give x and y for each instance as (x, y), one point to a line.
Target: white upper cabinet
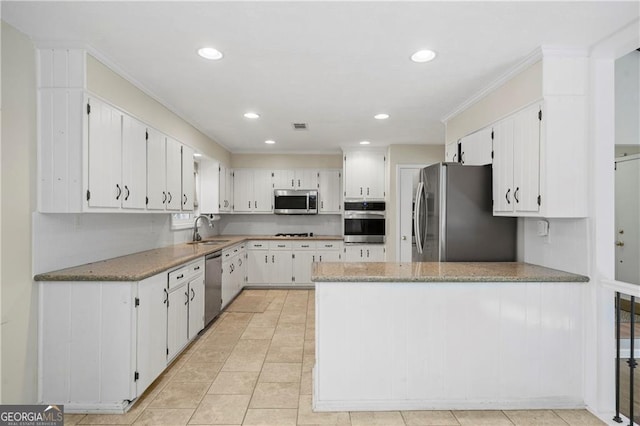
(295, 179)
(104, 186)
(503, 166)
(226, 189)
(174, 174)
(188, 179)
(330, 191)
(252, 191)
(156, 170)
(92, 156)
(134, 163)
(451, 152)
(475, 149)
(364, 175)
(209, 171)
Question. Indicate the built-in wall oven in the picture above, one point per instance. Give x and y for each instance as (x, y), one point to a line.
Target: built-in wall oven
(364, 222)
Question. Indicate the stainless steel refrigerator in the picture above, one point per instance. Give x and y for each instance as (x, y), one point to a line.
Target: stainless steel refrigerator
(453, 217)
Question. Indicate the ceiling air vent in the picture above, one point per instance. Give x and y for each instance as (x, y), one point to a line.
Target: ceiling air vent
(300, 126)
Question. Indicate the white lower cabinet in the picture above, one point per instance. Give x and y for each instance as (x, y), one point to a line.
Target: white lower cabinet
(286, 263)
(234, 272)
(364, 253)
(124, 334)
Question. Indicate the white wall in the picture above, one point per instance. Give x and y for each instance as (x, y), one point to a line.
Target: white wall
(628, 99)
(19, 293)
(287, 161)
(269, 224)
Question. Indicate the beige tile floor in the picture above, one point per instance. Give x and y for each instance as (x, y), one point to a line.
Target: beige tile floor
(254, 368)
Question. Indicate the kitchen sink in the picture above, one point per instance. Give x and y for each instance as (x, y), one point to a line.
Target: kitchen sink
(209, 242)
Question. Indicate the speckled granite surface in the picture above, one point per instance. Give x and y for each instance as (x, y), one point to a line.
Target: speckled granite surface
(440, 272)
(138, 266)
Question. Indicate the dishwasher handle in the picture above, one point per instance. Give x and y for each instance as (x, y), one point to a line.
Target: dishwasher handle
(214, 255)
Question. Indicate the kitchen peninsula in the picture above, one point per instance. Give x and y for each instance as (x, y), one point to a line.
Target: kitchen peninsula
(420, 336)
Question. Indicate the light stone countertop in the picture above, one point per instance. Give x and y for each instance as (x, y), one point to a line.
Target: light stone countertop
(138, 266)
(440, 272)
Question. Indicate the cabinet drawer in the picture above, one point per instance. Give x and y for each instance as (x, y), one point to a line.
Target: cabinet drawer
(196, 268)
(179, 276)
(258, 245)
(329, 245)
(303, 245)
(280, 245)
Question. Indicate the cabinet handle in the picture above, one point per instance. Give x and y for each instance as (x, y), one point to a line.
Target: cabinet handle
(126, 197)
(320, 258)
(255, 204)
(193, 295)
(265, 259)
(166, 296)
(360, 190)
(292, 184)
(361, 253)
(298, 183)
(322, 204)
(119, 191)
(462, 157)
(249, 204)
(313, 258)
(507, 196)
(170, 197)
(273, 259)
(180, 276)
(367, 190)
(515, 194)
(454, 157)
(164, 197)
(367, 253)
(184, 203)
(196, 268)
(186, 301)
(239, 262)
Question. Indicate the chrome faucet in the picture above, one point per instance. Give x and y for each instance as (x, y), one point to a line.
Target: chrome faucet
(196, 234)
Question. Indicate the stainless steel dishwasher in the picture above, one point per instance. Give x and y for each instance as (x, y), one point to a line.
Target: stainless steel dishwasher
(212, 286)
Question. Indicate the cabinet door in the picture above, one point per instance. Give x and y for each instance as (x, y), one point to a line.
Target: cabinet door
(451, 152)
(174, 174)
(373, 253)
(258, 267)
(241, 270)
(353, 253)
(156, 170)
(302, 261)
(222, 188)
(355, 166)
(152, 330)
(229, 190)
(243, 190)
(196, 306)
(281, 267)
(227, 283)
(503, 166)
(375, 180)
(262, 191)
(329, 191)
(177, 321)
(134, 163)
(329, 256)
(105, 155)
(188, 179)
(526, 160)
(284, 179)
(210, 185)
(306, 179)
(476, 148)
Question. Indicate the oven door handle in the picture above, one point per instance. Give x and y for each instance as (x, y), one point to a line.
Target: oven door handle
(307, 202)
(368, 215)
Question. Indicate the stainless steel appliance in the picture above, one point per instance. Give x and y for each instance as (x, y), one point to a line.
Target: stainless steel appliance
(295, 201)
(453, 217)
(364, 222)
(212, 286)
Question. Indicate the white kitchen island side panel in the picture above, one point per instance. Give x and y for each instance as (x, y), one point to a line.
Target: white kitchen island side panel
(87, 354)
(420, 346)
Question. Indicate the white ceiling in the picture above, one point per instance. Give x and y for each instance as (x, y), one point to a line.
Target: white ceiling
(332, 65)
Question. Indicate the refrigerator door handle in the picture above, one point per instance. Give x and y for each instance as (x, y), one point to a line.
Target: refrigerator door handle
(416, 216)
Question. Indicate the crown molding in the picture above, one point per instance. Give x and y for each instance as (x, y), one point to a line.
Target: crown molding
(525, 63)
(115, 67)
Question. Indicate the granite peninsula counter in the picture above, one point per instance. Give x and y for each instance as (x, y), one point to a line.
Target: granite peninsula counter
(429, 336)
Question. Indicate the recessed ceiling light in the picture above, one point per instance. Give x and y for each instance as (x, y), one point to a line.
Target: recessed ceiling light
(251, 115)
(270, 142)
(423, 56)
(197, 155)
(365, 143)
(210, 53)
(381, 116)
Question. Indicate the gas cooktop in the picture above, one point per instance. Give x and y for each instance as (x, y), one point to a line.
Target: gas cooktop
(301, 234)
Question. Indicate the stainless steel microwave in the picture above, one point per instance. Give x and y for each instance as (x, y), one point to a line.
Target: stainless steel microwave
(295, 201)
